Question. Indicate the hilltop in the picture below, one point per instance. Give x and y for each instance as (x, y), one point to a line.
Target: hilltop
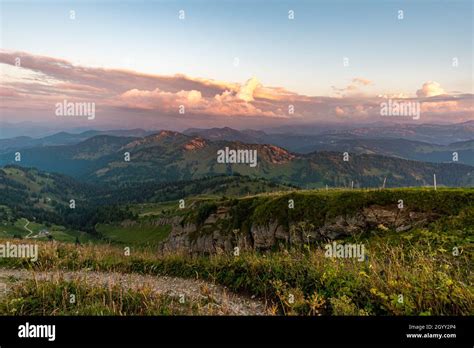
(422, 255)
(267, 221)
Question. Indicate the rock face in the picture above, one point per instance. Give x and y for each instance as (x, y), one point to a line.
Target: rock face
(211, 239)
(195, 144)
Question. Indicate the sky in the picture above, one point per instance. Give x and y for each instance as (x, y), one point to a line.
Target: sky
(235, 63)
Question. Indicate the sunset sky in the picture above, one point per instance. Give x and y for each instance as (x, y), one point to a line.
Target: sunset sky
(237, 63)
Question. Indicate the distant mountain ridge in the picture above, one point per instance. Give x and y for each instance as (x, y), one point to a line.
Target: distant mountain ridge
(170, 156)
(64, 138)
(439, 141)
(442, 134)
(351, 142)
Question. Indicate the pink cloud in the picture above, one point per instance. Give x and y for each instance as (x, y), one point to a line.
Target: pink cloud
(8, 92)
(227, 103)
(430, 89)
(361, 81)
(117, 91)
(354, 88)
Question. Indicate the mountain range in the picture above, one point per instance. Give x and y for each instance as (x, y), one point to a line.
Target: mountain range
(429, 143)
(431, 133)
(170, 156)
(64, 138)
(355, 142)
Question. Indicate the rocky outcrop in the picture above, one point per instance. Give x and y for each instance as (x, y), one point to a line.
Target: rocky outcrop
(179, 238)
(195, 144)
(276, 154)
(264, 236)
(210, 239)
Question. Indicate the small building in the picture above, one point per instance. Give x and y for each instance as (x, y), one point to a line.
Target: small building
(43, 233)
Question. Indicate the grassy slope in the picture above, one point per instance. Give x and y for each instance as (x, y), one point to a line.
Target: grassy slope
(317, 207)
(59, 233)
(140, 234)
(423, 270)
(420, 264)
(36, 191)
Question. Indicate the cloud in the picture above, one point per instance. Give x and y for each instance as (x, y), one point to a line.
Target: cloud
(128, 89)
(247, 90)
(394, 96)
(353, 88)
(78, 87)
(157, 99)
(227, 103)
(40, 82)
(361, 81)
(430, 89)
(340, 111)
(449, 106)
(8, 92)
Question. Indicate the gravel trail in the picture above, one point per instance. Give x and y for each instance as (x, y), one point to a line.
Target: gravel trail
(227, 302)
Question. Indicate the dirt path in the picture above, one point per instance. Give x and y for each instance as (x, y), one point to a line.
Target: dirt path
(227, 302)
(26, 228)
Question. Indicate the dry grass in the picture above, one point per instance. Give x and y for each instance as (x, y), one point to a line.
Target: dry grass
(60, 296)
(397, 279)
